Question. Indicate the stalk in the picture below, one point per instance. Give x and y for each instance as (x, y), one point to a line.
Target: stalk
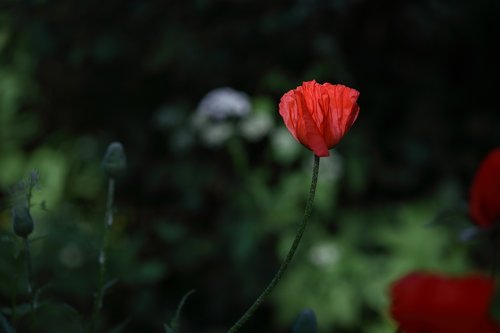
(108, 221)
(300, 232)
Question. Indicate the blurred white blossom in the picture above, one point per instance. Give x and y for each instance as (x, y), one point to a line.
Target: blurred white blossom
(71, 256)
(256, 126)
(225, 102)
(218, 105)
(215, 134)
(285, 148)
(324, 254)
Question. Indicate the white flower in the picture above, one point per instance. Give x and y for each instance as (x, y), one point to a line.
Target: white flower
(256, 126)
(324, 254)
(222, 103)
(285, 148)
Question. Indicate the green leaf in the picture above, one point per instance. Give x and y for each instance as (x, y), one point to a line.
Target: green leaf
(8, 238)
(167, 329)
(109, 284)
(174, 324)
(148, 272)
(305, 322)
(118, 328)
(67, 317)
(21, 310)
(38, 238)
(73, 313)
(5, 326)
(39, 292)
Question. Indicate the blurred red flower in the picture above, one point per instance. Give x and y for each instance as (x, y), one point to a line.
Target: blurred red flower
(429, 303)
(318, 115)
(484, 207)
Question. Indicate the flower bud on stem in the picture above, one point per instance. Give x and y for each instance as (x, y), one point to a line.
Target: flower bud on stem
(22, 224)
(289, 256)
(114, 164)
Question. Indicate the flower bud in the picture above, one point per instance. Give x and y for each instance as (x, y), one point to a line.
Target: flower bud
(319, 115)
(22, 222)
(115, 161)
(305, 322)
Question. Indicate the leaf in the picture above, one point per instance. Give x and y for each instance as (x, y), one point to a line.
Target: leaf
(64, 314)
(148, 272)
(8, 238)
(118, 328)
(21, 310)
(109, 285)
(5, 326)
(168, 329)
(71, 309)
(305, 322)
(74, 313)
(174, 324)
(38, 238)
(39, 292)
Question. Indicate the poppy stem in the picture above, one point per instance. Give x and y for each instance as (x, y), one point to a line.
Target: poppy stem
(289, 256)
(29, 270)
(108, 221)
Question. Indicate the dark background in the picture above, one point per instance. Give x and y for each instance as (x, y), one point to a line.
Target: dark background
(77, 75)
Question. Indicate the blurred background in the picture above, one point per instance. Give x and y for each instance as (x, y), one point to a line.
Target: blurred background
(216, 186)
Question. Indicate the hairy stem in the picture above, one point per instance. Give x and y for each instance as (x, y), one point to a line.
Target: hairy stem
(108, 221)
(289, 256)
(29, 270)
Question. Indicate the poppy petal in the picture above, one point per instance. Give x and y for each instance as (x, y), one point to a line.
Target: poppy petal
(318, 116)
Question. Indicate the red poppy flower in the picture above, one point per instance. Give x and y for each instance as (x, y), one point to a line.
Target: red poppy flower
(318, 115)
(427, 303)
(484, 205)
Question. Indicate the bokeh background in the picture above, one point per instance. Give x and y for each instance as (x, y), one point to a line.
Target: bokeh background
(213, 205)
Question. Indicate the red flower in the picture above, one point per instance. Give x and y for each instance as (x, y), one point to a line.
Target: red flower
(427, 303)
(484, 205)
(318, 115)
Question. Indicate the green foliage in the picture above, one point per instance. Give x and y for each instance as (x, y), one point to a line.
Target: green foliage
(5, 326)
(174, 325)
(341, 275)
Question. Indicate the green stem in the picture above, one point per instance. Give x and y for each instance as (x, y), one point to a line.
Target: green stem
(289, 256)
(238, 154)
(29, 270)
(175, 322)
(14, 299)
(13, 311)
(108, 221)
